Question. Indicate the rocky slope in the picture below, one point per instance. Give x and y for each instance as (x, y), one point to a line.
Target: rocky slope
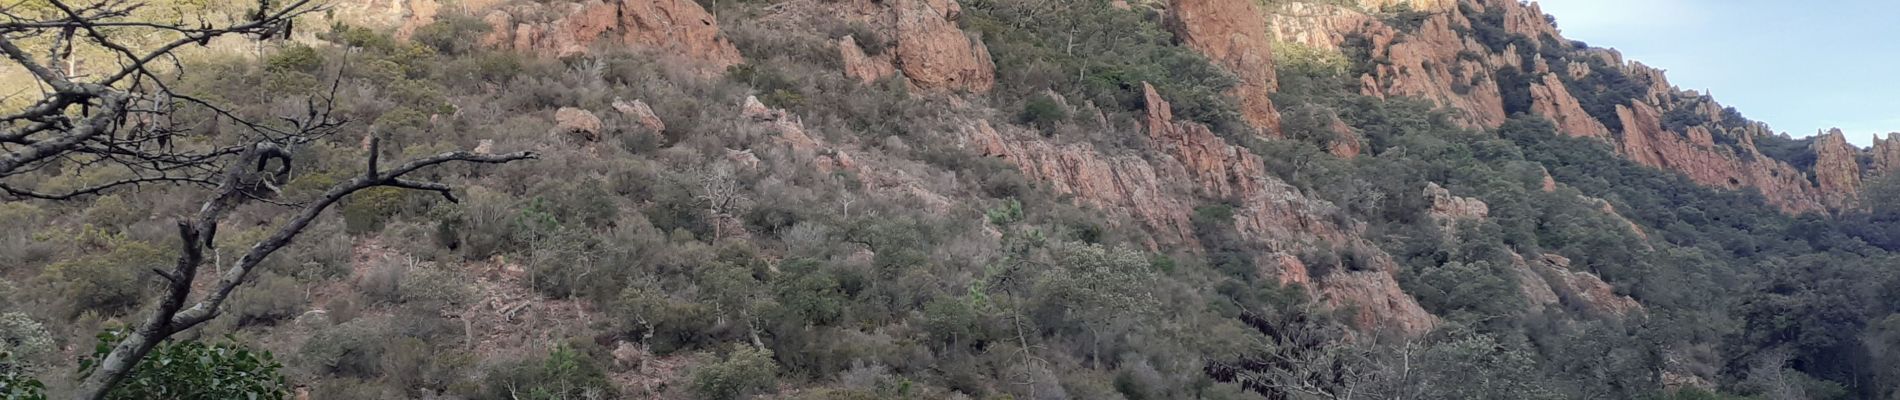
(1443, 55)
(1469, 56)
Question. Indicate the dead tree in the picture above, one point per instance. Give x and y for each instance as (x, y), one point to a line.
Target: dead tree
(121, 119)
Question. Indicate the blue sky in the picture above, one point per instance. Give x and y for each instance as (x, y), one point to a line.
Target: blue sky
(1800, 66)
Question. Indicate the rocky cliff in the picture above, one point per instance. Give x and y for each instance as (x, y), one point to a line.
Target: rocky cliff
(1233, 33)
(676, 27)
(1466, 55)
(1886, 155)
(1192, 166)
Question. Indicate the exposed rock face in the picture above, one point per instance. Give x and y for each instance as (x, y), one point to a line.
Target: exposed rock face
(1438, 63)
(1415, 5)
(1609, 209)
(641, 114)
(865, 68)
(1552, 100)
(1448, 207)
(1427, 64)
(1886, 154)
(1585, 289)
(1116, 184)
(1320, 26)
(1548, 280)
(1346, 143)
(1160, 192)
(1645, 142)
(934, 53)
(577, 123)
(1380, 301)
(675, 27)
(1837, 169)
(1233, 34)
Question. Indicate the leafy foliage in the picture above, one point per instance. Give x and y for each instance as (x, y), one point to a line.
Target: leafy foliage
(195, 371)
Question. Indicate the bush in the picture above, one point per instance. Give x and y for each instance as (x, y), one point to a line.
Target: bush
(266, 300)
(1043, 111)
(745, 372)
(193, 370)
(24, 343)
(564, 374)
(109, 278)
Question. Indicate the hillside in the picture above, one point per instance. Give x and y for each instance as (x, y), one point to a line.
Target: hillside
(994, 199)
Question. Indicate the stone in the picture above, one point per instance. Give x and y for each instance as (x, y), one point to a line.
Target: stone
(934, 53)
(1233, 34)
(1453, 208)
(560, 28)
(1837, 170)
(1549, 98)
(863, 67)
(577, 123)
(641, 114)
(1886, 154)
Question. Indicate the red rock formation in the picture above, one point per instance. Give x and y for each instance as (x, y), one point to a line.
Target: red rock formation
(864, 67)
(1588, 291)
(1316, 25)
(1415, 5)
(1160, 193)
(1645, 142)
(1233, 33)
(1346, 143)
(1886, 154)
(1453, 208)
(1536, 291)
(1837, 169)
(641, 114)
(1223, 171)
(1609, 209)
(1427, 64)
(676, 27)
(576, 123)
(934, 53)
(1382, 305)
(1552, 100)
(1119, 184)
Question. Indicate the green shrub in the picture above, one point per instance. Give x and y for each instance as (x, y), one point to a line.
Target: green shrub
(24, 344)
(1043, 111)
(193, 370)
(564, 374)
(109, 276)
(269, 298)
(745, 372)
(451, 34)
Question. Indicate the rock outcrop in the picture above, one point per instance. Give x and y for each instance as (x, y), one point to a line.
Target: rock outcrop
(1837, 170)
(1414, 5)
(1233, 34)
(1319, 26)
(1125, 185)
(1381, 303)
(641, 114)
(1447, 207)
(1548, 280)
(866, 68)
(1645, 142)
(934, 53)
(1886, 155)
(1427, 63)
(674, 27)
(1441, 61)
(1550, 99)
(577, 123)
(1192, 166)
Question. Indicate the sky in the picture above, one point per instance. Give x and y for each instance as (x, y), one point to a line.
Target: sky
(1800, 66)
